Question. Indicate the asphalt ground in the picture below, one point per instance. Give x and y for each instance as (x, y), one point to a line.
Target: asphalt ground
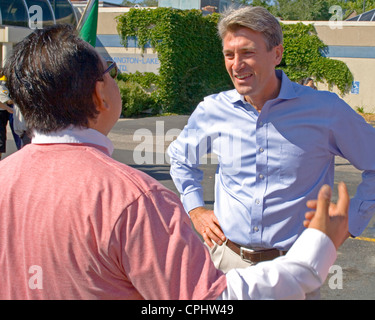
(141, 143)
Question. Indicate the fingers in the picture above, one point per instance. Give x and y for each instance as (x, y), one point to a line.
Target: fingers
(207, 224)
(308, 216)
(311, 204)
(324, 199)
(207, 239)
(209, 236)
(342, 204)
(319, 219)
(330, 218)
(215, 234)
(344, 199)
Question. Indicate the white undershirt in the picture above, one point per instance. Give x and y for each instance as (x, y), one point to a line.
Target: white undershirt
(74, 135)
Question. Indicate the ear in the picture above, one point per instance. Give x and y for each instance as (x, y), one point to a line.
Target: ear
(279, 50)
(98, 96)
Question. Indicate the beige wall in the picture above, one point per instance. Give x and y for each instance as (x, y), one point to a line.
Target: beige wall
(8, 37)
(363, 70)
(107, 19)
(350, 37)
(129, 59)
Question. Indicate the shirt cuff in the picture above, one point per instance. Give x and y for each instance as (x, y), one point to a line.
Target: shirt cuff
(192, 200)
(308, 249)
(359, 216)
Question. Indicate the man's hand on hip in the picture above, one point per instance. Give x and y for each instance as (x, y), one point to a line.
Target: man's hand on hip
(207, 225)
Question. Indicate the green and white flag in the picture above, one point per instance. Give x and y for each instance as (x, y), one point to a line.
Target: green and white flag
(87, 25)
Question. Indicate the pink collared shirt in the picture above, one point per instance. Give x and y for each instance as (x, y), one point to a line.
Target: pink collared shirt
(76, 224)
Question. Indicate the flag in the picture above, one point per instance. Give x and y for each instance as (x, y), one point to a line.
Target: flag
(88, 23)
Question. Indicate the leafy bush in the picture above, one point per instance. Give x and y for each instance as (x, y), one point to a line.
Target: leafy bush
(303, 58)
(189, 50)
(135, 100)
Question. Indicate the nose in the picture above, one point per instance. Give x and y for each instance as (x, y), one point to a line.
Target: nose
(237, 63)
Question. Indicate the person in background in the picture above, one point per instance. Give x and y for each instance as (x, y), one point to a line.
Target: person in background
(89, 227)
(20, 127)
(309, 82)
(5, 110)
(6, 115)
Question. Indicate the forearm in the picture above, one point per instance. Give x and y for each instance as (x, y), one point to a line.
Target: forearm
(185, 153)
(4, 106)
(302, 270)
(187, 178)
(353, 145)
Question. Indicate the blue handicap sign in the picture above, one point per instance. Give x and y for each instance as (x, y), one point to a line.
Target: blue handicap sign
(355, 87)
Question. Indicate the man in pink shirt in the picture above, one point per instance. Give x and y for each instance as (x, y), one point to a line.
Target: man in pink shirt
(89, 227)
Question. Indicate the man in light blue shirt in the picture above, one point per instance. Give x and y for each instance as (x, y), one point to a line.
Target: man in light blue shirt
(275, 142)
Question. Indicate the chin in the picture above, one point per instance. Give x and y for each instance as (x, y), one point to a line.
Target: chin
(244, 92)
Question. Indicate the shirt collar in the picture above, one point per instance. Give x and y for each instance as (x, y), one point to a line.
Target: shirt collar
(286, 91)
(74, 135)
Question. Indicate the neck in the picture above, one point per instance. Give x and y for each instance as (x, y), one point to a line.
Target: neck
(258, 101)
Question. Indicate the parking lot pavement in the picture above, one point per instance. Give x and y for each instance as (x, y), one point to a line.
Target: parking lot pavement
(141, 143)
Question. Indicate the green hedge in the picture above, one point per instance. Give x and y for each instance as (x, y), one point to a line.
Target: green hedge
(303, 58)
(137, 93)
(189, 50)
(192, 64)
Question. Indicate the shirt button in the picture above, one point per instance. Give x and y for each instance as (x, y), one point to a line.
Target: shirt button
(257, 201)
(261, 150)
(256, 229)
(261, 176)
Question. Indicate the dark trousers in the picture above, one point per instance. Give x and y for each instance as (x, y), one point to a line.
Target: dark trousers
(5, 116)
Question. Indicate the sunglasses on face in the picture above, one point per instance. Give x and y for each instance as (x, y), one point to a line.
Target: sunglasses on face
(112, 69)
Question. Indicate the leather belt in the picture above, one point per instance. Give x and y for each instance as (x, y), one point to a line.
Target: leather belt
(253, 256)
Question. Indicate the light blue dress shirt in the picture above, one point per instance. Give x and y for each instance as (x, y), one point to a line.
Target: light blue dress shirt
(271, 163)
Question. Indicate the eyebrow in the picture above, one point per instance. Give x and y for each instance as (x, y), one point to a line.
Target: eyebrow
(251, 48)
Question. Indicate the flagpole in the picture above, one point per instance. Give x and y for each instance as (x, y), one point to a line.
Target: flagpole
(84, 14)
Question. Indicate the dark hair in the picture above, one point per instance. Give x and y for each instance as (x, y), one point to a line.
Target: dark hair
(255, 18)
(307, 80)
(51, 76)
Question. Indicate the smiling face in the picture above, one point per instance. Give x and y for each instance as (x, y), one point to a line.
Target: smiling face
(251, 65)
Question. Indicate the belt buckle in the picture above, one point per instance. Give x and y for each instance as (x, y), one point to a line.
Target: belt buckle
(242, 250)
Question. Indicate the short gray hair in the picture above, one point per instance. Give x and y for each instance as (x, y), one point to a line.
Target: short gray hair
(254, 18)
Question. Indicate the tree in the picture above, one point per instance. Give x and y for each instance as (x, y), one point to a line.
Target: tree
(268, 4)
(308, 10)
(315, 10)
(357, 5)
(143, 3)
